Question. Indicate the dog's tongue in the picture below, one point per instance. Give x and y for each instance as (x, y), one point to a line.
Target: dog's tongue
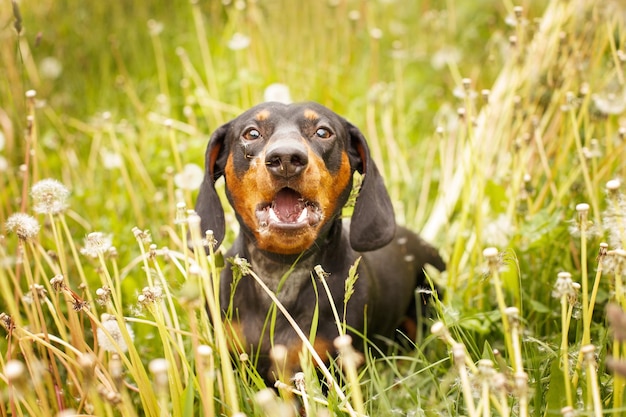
(288, 205)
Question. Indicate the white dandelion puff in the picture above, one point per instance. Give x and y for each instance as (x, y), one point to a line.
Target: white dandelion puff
(24, 226)
(190, 178)
(277, 92)
(49, 196)
(238, 42)
(96, 244)
(114, 340)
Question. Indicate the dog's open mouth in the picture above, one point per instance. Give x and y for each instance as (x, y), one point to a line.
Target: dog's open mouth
(288, 210)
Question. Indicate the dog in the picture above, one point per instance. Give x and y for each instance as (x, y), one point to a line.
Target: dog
(288, 171)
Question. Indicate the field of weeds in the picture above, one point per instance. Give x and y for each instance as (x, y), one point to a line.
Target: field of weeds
(499, 128)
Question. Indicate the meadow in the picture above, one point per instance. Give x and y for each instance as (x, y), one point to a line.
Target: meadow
(499, 128)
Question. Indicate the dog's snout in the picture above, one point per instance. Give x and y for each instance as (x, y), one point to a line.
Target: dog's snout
(286, 160)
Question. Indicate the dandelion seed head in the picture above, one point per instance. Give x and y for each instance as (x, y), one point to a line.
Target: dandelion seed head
(110, 160)
(613, 185)
(158, 367)
(376, 33)
(445, 56)
(14, 370)
(354, 15)
(154, 27)
(96, 244)
(110, 324)
(582, 207)
(57, 282)
(610, 103)
(49, 196)
(190, 178)
(438, 328)
(565, 287)
(50, 68)
(238, 42)
(205, 351)
(23, 225)
(277, 92)
(150, 295)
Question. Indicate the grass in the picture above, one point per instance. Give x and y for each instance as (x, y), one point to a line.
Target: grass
(499, 129)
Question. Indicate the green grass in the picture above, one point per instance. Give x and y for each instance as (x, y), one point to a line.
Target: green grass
(491, 124)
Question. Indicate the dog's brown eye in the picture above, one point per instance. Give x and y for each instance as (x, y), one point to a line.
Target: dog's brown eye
(252, 134)
(323, 133)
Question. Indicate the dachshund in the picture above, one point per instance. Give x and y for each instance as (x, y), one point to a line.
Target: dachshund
(289, 171)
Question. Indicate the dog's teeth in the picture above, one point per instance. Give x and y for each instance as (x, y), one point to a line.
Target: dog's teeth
(273, 216)
(303, 216)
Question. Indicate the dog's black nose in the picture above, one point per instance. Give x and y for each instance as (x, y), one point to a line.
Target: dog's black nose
(286, 160)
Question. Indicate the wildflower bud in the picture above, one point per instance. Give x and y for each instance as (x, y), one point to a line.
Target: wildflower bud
(278, 355)
(205, 351)
(492, 256)
(613, 185)
(513, 40)
(87, 362)
(354, 15)
(458, 353)
(518, 10)
(582, 207)
(181, 213)
(461, 112)
(521, 382)
(31, 94)
(439, 329)
(343, 342)
(116, 369)
(15, 373)
(319, 271)
(490, 253)
(168, 123)
(267, 399)
(485, 95)
(603, 250)
(158, 368)
(500, 383)
(193, 220)
(376, 33)
(7, 322)
(57, 283)
(588, 352)
(568, 411)
(439, 131)
(209, 238)
(584, 89)
(467, 84)
(513, 314)
(622, 132)
(298, 380)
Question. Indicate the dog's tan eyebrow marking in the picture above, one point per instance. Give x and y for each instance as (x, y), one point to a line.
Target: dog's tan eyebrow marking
(311, 114)
(262, 115)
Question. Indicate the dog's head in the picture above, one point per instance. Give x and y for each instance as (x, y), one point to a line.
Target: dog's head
(288, 171)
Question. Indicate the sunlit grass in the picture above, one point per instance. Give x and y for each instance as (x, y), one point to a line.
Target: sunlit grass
(500, 132)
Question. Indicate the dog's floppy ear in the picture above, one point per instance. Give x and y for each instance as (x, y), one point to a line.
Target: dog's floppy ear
(373, 222)
(208, 205)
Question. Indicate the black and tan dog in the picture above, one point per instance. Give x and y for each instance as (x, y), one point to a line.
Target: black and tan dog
(288, 172)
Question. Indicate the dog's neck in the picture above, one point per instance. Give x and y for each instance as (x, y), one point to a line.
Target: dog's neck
(285, 275)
